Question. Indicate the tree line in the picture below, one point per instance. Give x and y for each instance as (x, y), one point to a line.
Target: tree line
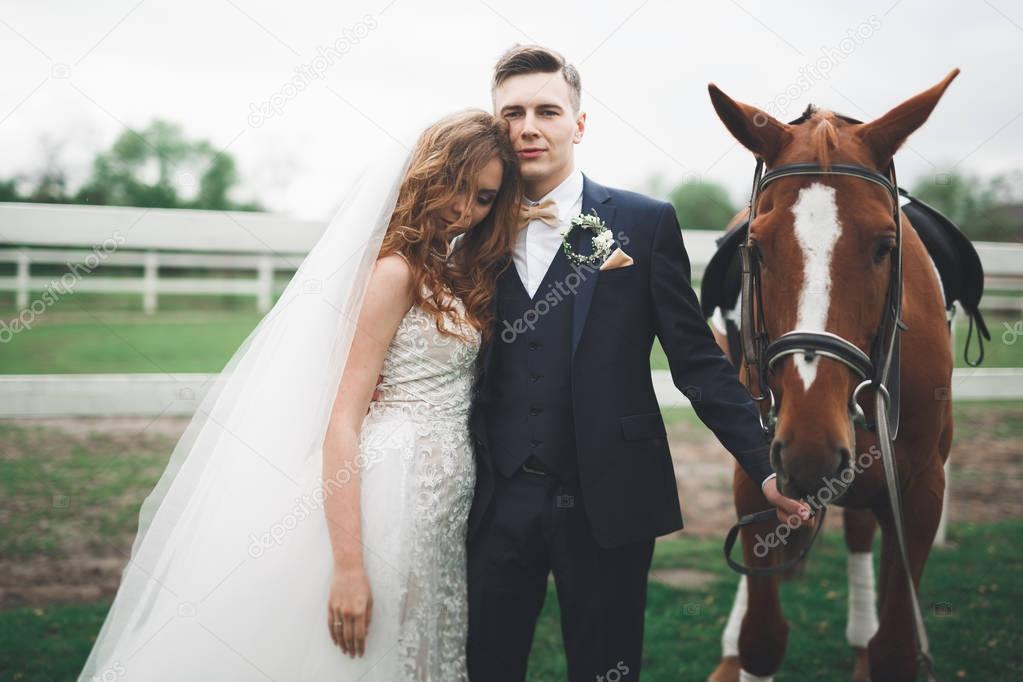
(160, 167)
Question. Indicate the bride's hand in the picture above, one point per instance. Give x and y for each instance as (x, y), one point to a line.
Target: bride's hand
(350, 610)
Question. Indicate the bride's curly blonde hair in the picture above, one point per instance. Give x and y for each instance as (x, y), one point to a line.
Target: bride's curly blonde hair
(446, 162)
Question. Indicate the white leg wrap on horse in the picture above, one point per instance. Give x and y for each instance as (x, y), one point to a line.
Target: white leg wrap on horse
(730, 636)
(748, 677)
(862, 623)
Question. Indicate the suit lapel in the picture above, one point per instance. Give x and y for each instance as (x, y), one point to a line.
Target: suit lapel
(595, 198)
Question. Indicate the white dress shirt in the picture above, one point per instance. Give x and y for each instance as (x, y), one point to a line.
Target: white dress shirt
(537, 243)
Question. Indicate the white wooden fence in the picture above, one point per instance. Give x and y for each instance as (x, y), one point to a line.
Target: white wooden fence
(240, 252)
(83, 240)
(243, 252)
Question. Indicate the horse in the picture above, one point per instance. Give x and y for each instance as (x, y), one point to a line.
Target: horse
(830, 244)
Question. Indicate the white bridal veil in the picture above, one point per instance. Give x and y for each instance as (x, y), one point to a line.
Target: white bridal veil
(233, 535)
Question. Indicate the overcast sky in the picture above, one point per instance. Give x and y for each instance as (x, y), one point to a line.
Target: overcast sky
(78, 73)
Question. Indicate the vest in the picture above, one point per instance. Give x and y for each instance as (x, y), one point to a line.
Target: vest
(531, 373)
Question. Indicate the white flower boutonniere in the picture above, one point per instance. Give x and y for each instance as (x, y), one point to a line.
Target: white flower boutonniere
(602, 239)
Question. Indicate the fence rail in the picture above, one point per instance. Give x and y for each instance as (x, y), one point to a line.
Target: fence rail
(151, 395)
(243, 253)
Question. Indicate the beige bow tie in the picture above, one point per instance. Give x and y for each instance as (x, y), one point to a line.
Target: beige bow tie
(546, 211)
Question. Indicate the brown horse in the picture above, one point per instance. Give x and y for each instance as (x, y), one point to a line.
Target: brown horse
(824, 245)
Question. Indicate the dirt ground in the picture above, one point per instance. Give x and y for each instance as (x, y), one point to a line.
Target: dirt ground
(986, 485)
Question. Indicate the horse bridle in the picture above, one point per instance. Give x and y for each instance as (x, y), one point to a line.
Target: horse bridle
(760, 353)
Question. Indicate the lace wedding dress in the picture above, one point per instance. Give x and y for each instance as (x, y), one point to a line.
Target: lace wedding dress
(417, 487)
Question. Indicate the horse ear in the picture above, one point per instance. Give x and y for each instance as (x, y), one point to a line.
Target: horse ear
(886, 134)
(756, 130)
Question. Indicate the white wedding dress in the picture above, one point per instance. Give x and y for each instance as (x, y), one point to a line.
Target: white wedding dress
(231, 568)
(417, 489)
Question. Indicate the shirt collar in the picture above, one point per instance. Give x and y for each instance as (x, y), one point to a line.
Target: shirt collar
(568, 192)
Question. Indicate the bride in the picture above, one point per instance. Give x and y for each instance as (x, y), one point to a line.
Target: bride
(305, 488)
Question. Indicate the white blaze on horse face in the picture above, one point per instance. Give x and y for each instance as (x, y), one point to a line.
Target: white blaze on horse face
(817, 230)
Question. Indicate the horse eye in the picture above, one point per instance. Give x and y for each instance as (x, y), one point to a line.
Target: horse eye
(883, 250)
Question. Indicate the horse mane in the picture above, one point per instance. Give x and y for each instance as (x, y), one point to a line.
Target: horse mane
(823, 134)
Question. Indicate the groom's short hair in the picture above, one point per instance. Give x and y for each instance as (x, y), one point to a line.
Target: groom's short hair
(525, 59)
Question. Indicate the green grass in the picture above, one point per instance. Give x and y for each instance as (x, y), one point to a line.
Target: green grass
(48, 644)
(977, 576)
(989, 419)
(107, 341)
(73, 498)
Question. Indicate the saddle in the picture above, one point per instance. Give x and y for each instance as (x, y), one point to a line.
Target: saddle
(953, 254)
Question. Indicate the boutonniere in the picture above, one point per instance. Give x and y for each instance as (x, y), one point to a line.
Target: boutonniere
(602, 239)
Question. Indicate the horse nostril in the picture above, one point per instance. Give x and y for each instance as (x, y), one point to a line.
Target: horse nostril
(843, 459)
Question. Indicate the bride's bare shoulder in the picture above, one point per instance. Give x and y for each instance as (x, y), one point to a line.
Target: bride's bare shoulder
(392, 276)
(393, 269)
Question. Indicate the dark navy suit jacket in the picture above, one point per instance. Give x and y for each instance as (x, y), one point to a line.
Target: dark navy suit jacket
(625, 469)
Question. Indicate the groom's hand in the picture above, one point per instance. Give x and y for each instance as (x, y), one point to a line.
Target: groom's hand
(376, 391)
(785, 507)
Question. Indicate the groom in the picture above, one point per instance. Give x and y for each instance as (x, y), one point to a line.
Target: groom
(574, 474)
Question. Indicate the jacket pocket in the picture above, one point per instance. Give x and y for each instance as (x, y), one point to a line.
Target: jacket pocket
(621, 272)
(640, 426)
